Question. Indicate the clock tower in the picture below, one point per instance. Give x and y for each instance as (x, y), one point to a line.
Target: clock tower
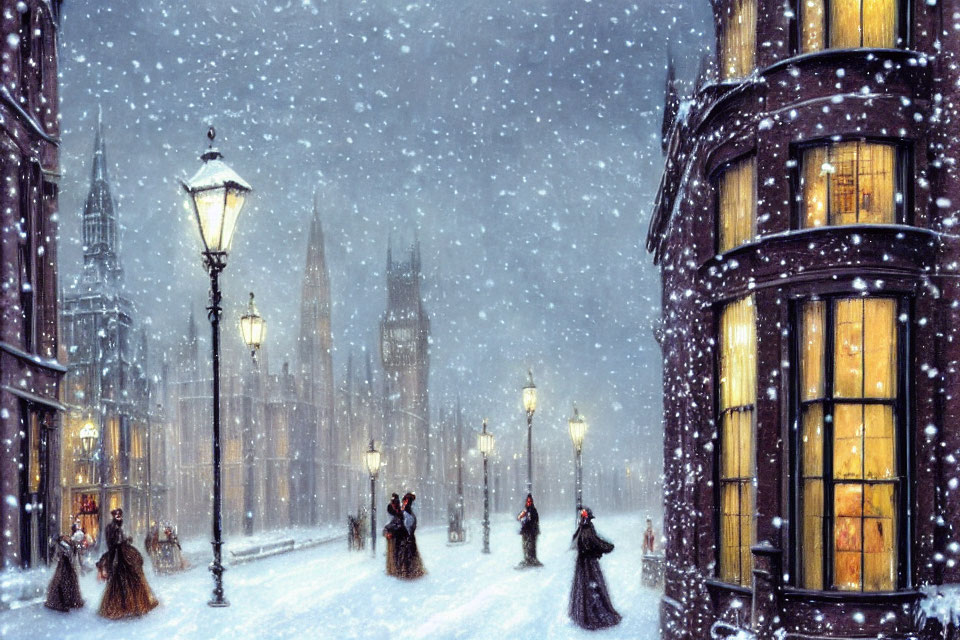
(404, 353)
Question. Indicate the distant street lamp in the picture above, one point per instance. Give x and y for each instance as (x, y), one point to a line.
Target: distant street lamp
(253, 330)
(372, 460)
(88, 439)
(578, 429)
(530, 406)
(485, 444)
(217, 195)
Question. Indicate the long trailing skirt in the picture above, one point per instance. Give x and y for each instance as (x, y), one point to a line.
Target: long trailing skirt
(127, 593)
(409, 564)
(63, 593)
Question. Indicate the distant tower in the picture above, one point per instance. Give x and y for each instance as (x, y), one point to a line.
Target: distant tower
(317, 442)
(107, 386)
(101, 244)
(404, 352)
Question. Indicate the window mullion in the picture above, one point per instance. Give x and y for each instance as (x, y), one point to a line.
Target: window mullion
(827, 461)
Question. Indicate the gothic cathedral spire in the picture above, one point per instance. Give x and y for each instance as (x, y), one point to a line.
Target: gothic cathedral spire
(317, 437)
(101, 246)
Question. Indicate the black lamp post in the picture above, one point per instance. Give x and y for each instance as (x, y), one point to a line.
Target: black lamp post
(217, 195)
(530, 406)
(485, 444)
(253, 330)
(372, 460)
(578, 429)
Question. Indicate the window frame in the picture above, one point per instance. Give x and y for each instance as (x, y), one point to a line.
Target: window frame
(903, 429)
(718, 422)
(902, 169)
(904, 28)
(715, 176)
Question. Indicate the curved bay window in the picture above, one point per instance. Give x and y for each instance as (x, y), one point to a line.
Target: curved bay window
(851, 182)
(850, 391)
(738, 40)
(851, 24)
(737, 204)
(737, 472)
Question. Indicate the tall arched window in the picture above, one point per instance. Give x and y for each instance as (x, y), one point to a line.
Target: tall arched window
(737, 399)
(850, 393)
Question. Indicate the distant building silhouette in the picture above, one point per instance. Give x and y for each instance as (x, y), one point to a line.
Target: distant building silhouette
(405, 356)
(317, 450)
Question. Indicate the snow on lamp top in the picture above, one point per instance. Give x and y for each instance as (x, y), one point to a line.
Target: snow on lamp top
(217, 194)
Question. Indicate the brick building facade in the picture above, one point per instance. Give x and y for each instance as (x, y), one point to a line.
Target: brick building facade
(805, 229)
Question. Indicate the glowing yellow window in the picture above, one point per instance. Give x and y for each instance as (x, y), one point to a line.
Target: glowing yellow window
(737, 210)
(851, 182)
(738, 40)
(737, 401)
(849, 478)
(848, 24)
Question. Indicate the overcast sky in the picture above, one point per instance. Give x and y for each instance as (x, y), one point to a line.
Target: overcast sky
(518, 139)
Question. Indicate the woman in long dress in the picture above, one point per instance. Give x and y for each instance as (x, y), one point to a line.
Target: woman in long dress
(127, 593)
(63, 593)
(590, 605)
(409, 564)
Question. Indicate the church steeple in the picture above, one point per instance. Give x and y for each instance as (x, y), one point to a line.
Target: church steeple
(316, 280)
(316, 437)
(101, 246)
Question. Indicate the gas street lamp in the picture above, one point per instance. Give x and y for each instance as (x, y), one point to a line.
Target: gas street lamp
(88, 439)
(372, 460)
(217, 195)
(253, 330)
(485, 443)
(530, 406)
(578, 429)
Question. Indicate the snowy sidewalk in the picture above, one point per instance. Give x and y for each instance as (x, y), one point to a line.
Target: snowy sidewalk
(328, 592)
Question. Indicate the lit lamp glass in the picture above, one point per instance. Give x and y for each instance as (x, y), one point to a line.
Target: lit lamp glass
(578, 429)
(217, 195)
(372, 460)
(253, 327)
(485, 441)
(88, 438)
(529, 394)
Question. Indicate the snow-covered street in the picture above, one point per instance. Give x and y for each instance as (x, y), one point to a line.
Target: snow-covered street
(330, 592)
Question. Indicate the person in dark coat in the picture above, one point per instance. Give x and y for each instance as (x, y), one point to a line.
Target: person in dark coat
(590, 605)
(409, 564)
(390, 532)
(127, 593)
(63, 593)
(529, 530)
